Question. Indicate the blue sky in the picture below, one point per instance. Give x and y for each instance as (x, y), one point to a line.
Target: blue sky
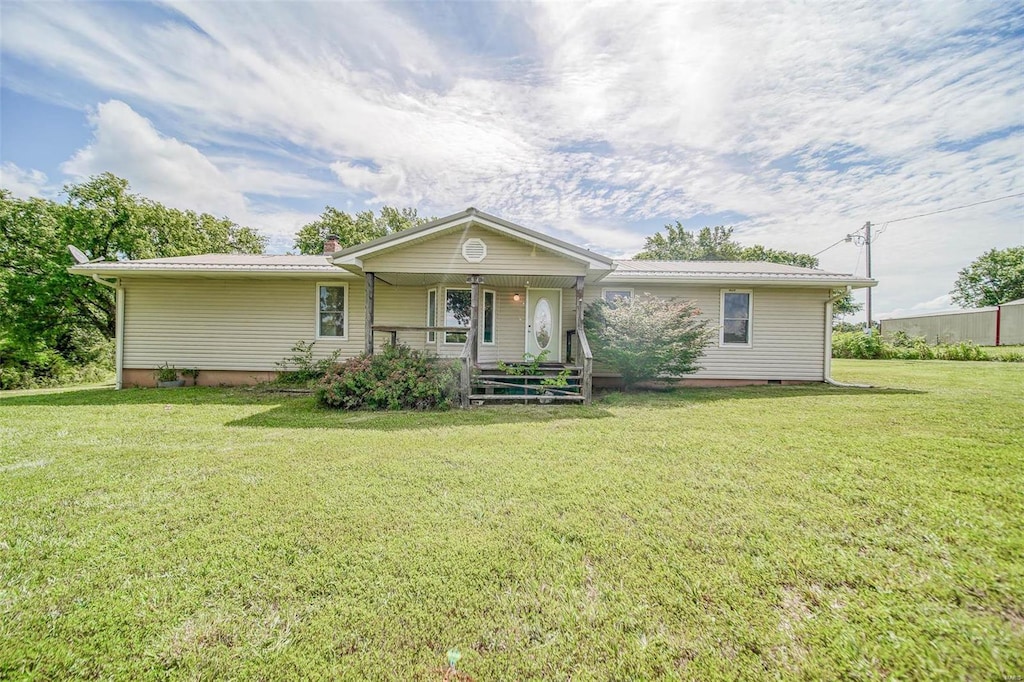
(793, 122)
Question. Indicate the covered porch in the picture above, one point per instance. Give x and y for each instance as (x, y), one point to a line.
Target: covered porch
(517, 337)
(488, 292)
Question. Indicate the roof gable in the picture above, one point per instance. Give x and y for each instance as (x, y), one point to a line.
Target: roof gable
(353, 256)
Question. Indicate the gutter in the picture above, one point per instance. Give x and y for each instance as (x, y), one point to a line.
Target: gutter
(828, 345)
(118, 325)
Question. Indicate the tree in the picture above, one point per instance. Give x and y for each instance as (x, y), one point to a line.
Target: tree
(646, 337)
(710, 243)
(761, 253)
(354, 229)
(995, 277)
(48, 309)
(716, 243)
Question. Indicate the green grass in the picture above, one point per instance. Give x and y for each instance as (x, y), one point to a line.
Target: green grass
(758, 533)
(999, 351)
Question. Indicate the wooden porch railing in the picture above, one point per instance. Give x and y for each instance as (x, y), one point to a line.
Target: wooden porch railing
(393, 330)
(588, 366)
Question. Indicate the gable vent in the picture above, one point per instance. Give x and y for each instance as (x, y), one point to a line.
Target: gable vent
(474, 250)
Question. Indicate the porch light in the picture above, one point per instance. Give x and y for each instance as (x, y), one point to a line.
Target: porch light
(516, 297)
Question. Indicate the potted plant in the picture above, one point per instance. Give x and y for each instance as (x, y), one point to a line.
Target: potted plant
(192, 374)
(167, 376)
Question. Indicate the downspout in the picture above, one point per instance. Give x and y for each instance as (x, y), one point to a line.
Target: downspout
(828, 344)
(115, 284)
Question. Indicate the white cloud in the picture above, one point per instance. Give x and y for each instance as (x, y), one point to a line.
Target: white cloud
(809, 118)
(24, 183)
(160, 167)
(181, 176)
(937, 304)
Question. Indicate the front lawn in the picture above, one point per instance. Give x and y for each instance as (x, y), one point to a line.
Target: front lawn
(809, 532)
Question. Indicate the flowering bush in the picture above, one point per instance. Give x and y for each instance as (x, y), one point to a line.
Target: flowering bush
(397, 378)
(647, 337)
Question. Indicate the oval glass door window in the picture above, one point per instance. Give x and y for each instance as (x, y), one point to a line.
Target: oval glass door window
(542, 323)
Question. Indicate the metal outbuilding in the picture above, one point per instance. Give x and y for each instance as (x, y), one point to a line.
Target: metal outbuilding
(1001, 325)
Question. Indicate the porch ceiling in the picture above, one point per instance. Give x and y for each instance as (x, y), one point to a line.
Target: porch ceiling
(409, 279)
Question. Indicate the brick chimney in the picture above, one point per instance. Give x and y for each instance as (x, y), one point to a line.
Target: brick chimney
(331, 244)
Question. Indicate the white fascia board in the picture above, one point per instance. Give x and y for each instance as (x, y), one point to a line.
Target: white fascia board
(356, 260)
(193, 271)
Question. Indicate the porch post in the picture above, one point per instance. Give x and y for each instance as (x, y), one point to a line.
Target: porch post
(581, 338)
(579, 305)
(474, 317)
(369, 313)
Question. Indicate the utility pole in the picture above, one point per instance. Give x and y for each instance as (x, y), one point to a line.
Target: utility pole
(865, 240)
(867, 245)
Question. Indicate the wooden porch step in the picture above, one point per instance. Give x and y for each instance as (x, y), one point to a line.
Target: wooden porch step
(510, 377)
(537, 398)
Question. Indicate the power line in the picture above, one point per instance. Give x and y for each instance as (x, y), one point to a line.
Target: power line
(829, 247)
(955, 208)
(923, 215)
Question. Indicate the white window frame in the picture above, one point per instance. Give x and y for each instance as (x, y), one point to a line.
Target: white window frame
(484, 293)
(606, 290)
(432, 336)
(750, 319)
(344, 313)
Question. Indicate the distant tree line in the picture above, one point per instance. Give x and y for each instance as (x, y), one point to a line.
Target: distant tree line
(717, 244)
(55, 326)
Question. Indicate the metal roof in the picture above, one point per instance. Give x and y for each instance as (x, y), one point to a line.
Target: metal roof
(725, 272)
(728, 271)
(213, 262)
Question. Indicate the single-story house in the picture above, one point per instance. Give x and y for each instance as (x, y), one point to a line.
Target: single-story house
(997, 325)
(235, 317)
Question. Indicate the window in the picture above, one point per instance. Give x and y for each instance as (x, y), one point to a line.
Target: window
(736, 315)
(457, 314)
(488, 321)
(432, 314)
(611, 295)
(331, 315)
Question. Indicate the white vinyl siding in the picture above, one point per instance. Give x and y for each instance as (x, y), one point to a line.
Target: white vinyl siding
(229, 323)
(444, 254)
(787, 325)
(251, 323)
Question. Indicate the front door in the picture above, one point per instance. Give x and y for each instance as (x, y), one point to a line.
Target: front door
(543, 323)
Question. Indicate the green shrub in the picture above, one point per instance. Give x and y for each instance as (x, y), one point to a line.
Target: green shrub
(42, 367)
(857, 345)
(397, 378)
(302, 368)
(904, 347)
(965, 350)
(647, 337)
